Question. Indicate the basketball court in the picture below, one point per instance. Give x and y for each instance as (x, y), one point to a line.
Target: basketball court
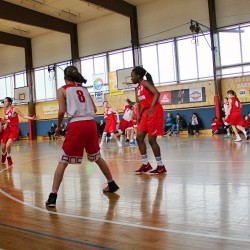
(202, 203)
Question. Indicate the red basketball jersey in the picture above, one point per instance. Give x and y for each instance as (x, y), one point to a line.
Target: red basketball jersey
(109, 115)
(145, 97)
(236, 106)
(10, 117)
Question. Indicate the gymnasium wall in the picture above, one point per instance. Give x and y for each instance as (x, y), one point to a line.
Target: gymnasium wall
(50, 48)
(107, 33)
(12, 59)
(231, 12)
(162, 15)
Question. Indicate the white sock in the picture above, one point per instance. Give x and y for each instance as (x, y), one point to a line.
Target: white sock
(8, 154)
(158, 161)
(144, 159)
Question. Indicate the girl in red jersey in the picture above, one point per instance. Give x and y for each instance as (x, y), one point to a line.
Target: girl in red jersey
(75, 100)
(126, 125)
(110, 127)
(151, 119)
(1, 129)
(234, 117)
(11, 129)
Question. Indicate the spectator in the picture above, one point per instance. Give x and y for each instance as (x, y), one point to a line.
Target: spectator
(100, 128)
(168, 123)
(195, 124)
(52, 131)
(225, 110)
(178, 123)
(216, 126)
(64, 129)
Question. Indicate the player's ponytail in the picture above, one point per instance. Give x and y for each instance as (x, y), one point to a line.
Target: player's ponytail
(72, 74)
(143, 73)
(231, 92)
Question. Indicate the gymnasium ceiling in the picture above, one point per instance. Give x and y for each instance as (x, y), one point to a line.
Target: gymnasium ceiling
(75, 11)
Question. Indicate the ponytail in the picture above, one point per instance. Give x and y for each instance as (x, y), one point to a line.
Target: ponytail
(72, 74)
(143, 73)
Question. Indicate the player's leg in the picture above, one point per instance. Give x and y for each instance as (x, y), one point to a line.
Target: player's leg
(8, 150)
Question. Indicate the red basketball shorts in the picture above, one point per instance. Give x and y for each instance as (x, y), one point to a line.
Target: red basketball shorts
(81, 135)
(110, 126)
(153, 124)
(125, 125)
(10, 133)
(234, 119)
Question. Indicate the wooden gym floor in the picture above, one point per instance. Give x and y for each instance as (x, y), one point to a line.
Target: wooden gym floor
(202, 203)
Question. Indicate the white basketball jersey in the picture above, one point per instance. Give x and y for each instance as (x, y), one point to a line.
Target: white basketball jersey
(78, 103)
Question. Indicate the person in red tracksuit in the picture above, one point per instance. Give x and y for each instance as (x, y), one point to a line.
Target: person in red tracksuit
(11, 129)
(215, 125)
(151, 120)
(234, 117)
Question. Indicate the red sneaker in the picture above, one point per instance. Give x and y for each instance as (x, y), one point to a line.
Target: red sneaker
(159, 170)
(10, 162)
(144, 169)
(4, 158)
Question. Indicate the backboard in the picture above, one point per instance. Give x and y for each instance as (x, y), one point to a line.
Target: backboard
(21, 95)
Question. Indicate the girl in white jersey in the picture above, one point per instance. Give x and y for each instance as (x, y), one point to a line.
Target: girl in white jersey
(75, 100)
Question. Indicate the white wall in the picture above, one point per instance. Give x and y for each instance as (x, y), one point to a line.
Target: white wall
(12, 59)
(50, 48)
(162, 15)
(231, 12)
(104, 34)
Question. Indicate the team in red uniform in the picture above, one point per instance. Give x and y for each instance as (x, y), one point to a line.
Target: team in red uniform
(11, 129)
(151, 119)
(110, 127)
(81, 135)
(126, 125)
(234, 117)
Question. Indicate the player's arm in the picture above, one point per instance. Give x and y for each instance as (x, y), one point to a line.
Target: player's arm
(94, 106)
(117, 116)
(16, 110)
(61, 95)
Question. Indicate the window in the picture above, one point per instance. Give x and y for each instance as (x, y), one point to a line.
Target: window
(245, 40)
(120, 60)
(94, 65)
(167, 68)
(20, 80)
(187, 59)
(150, 61)
(230, 52)
(60, 73)
(44, 84)
(7, 86)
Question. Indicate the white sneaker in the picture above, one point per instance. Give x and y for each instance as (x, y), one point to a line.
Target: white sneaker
(237, 140)
(119, 144)
(227, 136)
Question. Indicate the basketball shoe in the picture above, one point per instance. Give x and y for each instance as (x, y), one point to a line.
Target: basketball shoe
(159, 170)
(4, 157)
(110, 187)
(10, 162)
(144, 169)
(51, 202)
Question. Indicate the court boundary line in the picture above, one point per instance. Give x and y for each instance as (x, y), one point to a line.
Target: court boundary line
(173, 231)
(55, 237)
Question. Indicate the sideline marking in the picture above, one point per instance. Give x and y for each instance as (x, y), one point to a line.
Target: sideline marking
(55, 237)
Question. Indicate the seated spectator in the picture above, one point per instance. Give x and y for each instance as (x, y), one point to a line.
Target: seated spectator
(168, 123)
(216, 126)
(247, 118)
(178, 123)
(52, 131)
(64, 129)
(194, 124)
(100, 128)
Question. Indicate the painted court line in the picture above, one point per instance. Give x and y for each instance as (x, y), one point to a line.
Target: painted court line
(205, 235)
(55, 237)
